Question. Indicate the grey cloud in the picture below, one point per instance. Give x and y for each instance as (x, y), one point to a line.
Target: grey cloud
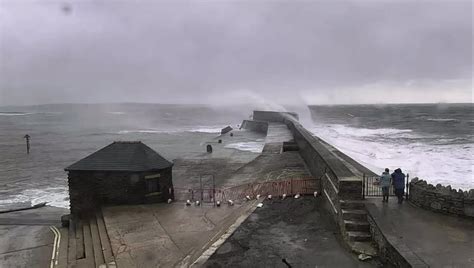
(181, 51)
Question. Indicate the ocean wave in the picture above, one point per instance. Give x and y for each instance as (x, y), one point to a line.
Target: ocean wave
(437, 163)
(251, 146)
(442, 119)
(206, 130)
(15, 113)
(144, 131)
(365, 132)
(53, 196)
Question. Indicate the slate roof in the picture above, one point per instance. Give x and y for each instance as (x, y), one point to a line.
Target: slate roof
(122, 156)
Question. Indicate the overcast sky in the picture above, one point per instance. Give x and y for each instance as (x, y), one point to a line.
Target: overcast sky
(312, 52)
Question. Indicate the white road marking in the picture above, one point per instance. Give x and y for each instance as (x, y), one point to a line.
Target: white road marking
(57, 241)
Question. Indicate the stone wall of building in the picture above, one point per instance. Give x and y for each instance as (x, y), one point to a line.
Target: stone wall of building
(442, 199)
(257, 126)
(89, 190)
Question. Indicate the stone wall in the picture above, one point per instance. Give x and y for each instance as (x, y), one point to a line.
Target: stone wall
(442, 198)
(257, 126)
(337, 181)
(89, 190)
(272, 116)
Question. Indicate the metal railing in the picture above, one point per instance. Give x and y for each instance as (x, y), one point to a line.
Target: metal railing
(239, 192)
(371, 187)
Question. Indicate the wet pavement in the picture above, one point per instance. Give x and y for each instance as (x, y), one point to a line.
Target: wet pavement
(438, 240)
(300, 231)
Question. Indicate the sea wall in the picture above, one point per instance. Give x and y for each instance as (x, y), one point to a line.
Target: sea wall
(337, 181)
(442, 199)
(257, 126)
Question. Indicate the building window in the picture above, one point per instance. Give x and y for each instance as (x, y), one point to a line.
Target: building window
(152, 183)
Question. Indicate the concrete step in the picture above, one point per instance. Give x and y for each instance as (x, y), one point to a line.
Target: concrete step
(362, 226)
(96, 243)
(354, 214)
(71, 252)
(104, 238)
(352, 204)
(88, 248)
(79, 240)
(359, 236)
(63, 248)
(366, 248)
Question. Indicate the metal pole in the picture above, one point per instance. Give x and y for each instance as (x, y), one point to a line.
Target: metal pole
(200, 182)
(363, 186)
(214, 190)
(27, 137)
(408, 186)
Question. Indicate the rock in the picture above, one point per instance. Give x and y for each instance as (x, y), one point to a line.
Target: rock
(363, 257)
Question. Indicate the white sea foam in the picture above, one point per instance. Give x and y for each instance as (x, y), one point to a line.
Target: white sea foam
(446, 164)
(53, 196)
(206, 130)
(150, 131)
(15, 114)
(441, 119)
(116, 113)
(250, 146)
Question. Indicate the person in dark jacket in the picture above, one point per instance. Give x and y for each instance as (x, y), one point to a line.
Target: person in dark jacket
(398, 181)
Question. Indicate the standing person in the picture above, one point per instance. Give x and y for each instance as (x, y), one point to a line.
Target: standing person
(399, 184)
(385, 181)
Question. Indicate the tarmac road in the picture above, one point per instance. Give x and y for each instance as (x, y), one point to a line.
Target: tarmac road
(25, 237)
(297, 230)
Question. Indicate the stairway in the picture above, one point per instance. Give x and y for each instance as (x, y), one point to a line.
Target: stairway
(356, 226)
(88, 244)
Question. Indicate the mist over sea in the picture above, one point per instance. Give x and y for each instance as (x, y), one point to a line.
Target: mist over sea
(433, 142)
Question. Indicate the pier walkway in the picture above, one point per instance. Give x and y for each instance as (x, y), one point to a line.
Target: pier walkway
(438, 240)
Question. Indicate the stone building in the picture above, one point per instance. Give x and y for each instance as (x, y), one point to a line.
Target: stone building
(120, 173)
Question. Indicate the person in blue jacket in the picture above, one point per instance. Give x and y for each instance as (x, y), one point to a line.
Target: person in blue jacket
(398, 181)
(384, 182)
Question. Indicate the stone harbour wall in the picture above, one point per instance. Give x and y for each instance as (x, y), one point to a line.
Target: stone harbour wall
(442, 199)
(257, 126)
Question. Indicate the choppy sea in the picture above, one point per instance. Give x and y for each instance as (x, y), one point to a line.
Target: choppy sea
(433, 142)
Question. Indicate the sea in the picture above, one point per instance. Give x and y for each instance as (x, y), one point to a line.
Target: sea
(430, 141)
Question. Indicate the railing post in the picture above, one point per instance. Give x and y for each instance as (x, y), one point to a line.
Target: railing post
(363, 186)
(407, 194)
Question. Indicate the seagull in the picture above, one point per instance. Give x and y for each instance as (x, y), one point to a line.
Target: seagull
(247, 197)
(260, 205)
(258, 196)
(230, 202)
(198, 203)
(188, 203)
(283, 196)
(218, 203)
(315, 194)
(297, 196)
(269, 196)
(170, 200)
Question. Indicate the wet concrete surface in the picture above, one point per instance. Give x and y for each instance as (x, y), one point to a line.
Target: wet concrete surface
(297, 230)
(166, 235)
(439, 240)
(25, 237)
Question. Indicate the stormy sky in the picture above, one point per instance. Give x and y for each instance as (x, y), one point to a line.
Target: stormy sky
(313, 52)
